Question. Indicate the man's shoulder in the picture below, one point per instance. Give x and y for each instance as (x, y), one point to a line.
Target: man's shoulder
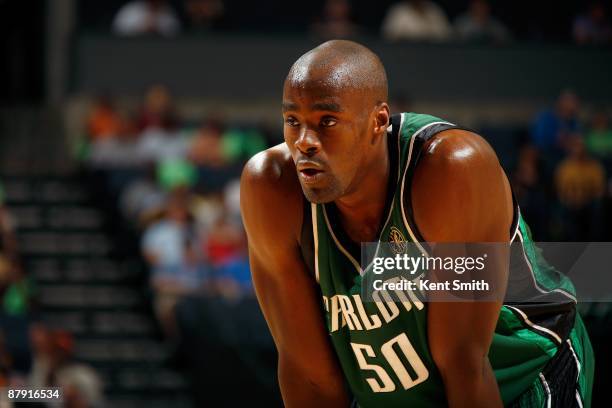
(454, 159)
(271, 170)
(269, 165)
(455, 148)
(459, 173)
(270, 191)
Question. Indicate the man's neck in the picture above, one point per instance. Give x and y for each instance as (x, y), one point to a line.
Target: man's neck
(361, 211)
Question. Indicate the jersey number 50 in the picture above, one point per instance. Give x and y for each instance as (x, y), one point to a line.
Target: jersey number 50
(384, 382)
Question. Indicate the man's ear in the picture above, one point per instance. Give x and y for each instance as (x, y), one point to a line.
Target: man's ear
(381, 120)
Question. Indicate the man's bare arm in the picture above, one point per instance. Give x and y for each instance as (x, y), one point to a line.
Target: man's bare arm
(461, 195)
(271, 204)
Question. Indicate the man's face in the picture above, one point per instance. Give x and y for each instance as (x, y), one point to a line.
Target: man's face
(329, 134)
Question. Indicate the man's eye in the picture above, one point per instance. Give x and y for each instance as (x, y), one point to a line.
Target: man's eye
(291, 121)
(328, 122)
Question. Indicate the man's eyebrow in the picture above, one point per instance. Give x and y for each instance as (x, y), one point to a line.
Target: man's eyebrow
(326, 106)
(289, 106)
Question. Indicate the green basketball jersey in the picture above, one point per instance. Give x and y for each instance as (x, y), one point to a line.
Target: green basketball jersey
(382, 346)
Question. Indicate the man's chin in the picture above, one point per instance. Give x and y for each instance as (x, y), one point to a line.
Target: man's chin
(318, 195)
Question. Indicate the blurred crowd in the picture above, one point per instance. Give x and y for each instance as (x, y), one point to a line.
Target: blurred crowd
(33, 353)
(175, 183)
(171, 185)
(562, 178)
(473, 21)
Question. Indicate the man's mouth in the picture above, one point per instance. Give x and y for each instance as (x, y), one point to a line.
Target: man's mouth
(310, 176)
(310, 172)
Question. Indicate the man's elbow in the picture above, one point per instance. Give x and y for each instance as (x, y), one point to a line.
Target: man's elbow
(469, 380)
(467, 366)
(304, 384)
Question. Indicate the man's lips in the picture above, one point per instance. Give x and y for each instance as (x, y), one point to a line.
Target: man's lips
(308, 164)
(311, 176)
(309, 172)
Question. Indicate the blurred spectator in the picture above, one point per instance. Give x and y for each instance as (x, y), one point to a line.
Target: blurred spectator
(16, 301)
(478, 26)
(204, 15)
(580, 182)
(146, 17)
(5, 364)
(553, 127)
(6, 274)
(530, 191)
(158, 123)
(231, 199)
(41, 340)
(115, 152)
(599, 137)
(113, 137)
(55, 366)
(176, 174)
(335, 21)
(171, 248)
(242, 144)
(218, 154)
(225, 241)
(103, 121)
(8, 239)
(593, 27)
(416, 20)
(152, 136)
(143, 198)
(158, 146)
(227, 255)
(17, 298)
(206, 211)
(206, 147)
(157, 111)
(16, 289)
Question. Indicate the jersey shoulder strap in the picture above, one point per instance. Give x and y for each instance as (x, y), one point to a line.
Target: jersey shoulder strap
(307, 238)
(416, 131)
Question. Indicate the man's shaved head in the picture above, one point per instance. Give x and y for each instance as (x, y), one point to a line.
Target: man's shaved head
(336, 118)
(340, 65)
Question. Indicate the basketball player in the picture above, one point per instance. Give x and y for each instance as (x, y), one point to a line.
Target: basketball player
(348, 173)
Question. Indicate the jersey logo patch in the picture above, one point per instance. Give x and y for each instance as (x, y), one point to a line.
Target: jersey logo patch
(397, 241)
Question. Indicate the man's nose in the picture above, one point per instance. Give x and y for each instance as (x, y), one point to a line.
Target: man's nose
(308, 142)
